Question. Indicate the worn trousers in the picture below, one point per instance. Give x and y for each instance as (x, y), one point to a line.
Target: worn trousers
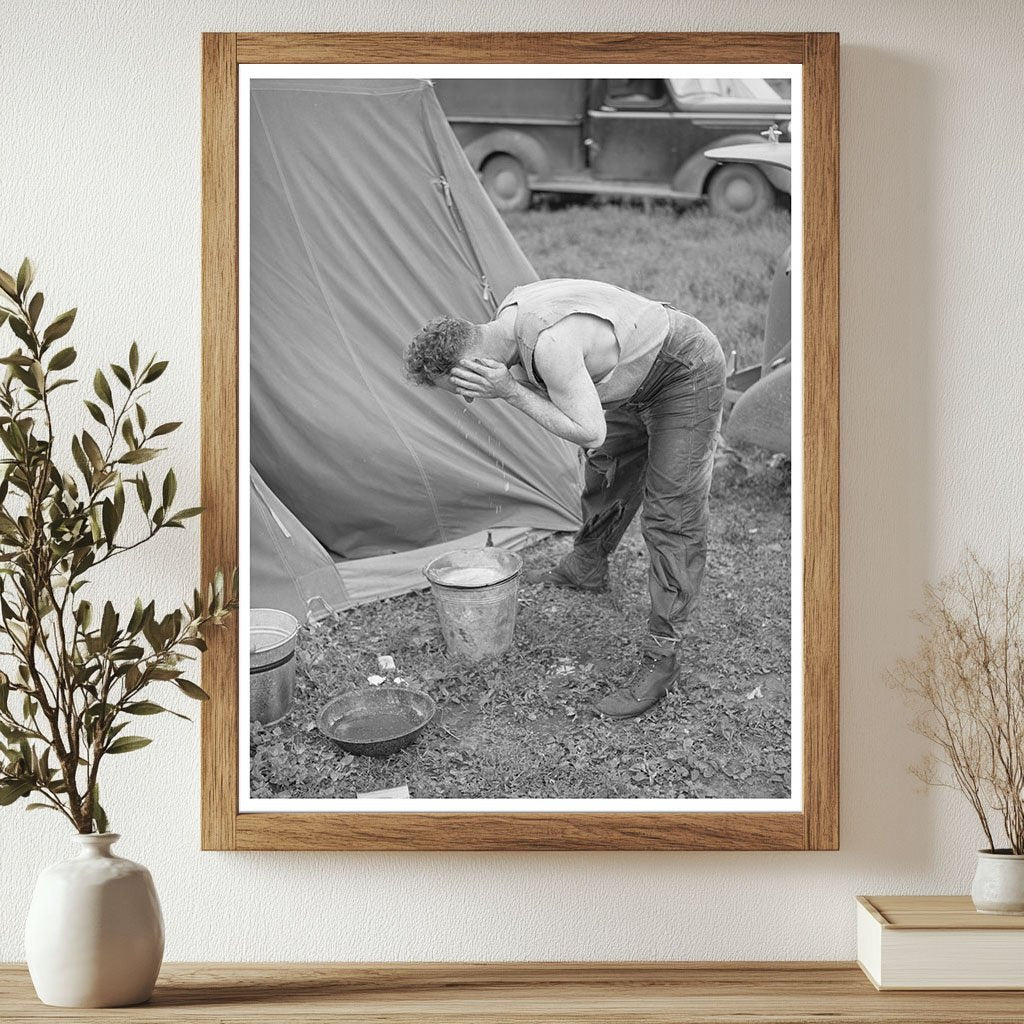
(658, 453)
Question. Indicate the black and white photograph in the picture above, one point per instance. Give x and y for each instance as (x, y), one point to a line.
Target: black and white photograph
(521, 408)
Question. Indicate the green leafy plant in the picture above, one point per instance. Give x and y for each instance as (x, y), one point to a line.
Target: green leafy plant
(81, 672)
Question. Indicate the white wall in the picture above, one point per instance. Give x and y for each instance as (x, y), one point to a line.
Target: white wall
(99, 181)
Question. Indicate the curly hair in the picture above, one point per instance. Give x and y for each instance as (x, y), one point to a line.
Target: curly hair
(438, 346)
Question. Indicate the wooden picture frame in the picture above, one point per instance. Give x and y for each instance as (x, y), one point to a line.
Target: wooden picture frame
(816, 826)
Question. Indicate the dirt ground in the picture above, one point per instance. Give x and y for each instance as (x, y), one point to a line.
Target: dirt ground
(522, 726)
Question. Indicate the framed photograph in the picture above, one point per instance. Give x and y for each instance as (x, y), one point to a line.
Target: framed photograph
(520, 420)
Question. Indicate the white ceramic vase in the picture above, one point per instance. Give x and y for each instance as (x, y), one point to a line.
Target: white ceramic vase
(999, 883)
(95, 934)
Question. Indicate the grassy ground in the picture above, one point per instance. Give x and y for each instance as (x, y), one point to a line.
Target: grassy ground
(522, 726)
(713, 268)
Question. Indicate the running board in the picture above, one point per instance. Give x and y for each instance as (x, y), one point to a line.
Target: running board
(583, 187)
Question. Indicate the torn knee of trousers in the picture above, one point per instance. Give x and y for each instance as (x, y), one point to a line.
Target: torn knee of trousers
(603, 464)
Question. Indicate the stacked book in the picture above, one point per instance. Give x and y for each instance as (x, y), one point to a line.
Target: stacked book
(938, 942)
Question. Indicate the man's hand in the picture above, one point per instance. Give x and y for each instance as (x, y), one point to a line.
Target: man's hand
(482, 378)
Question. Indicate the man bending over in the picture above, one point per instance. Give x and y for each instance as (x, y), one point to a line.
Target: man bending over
(639, 385)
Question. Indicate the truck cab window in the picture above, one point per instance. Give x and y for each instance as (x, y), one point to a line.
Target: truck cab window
(688, 90)
(700, 88)
(635, 93)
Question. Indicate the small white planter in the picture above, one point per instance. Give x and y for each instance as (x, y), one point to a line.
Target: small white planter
(999, 883)
(95, 934)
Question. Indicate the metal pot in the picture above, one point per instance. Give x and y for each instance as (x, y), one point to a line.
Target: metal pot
(272, 636)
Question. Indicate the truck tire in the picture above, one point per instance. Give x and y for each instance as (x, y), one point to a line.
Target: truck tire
(739, 191)
(504, 179)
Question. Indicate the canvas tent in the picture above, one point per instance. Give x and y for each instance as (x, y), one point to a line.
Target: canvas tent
(366, 220)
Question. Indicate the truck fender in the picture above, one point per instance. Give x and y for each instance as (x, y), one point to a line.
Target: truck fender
(692, 177)
(761, 415)
(526, 149)
(778, 323)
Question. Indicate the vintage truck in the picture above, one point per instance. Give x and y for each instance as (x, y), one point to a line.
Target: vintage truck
(617, 136)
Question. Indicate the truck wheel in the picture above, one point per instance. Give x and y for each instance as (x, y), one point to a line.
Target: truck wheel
(739, 191)
(504, 179)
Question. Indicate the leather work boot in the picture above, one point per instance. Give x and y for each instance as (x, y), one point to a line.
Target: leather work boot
(573, 573)
(653, 678)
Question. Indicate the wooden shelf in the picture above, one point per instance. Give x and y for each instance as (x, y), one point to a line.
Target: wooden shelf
(658, 993)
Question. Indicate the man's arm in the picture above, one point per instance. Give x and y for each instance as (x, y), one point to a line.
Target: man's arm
(584, 431)
(559, 360)
(572, 410)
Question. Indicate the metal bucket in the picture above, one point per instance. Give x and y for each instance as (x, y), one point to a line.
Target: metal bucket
(272, 636)
(475, 593)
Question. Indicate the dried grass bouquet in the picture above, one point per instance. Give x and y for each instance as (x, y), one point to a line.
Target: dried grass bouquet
(967, 679)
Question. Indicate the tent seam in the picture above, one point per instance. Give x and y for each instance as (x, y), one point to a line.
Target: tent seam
(472, 262)
(297, 581)
(277, 545)
(341, 336)
(472, 257)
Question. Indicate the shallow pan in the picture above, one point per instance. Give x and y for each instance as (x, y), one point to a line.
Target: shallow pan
(376, 721)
